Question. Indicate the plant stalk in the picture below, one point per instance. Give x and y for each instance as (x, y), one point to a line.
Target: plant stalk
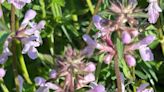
(14, 64)
(117, 72)
(3, 86)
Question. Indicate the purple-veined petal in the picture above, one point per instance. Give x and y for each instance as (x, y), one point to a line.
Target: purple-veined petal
(21, 80)
(153, 11)
(130, 60)
(89, 40)
(41, 25)
(19, 4)
(88, 51)
(42, 89)
(91, 45)
(96, 20)
(2, 72)
(30, 14)
(146, 54)
(142, 87)
(33, 53)
(30, 31)
(98, 88)
(52, 86)
(53, 74)
(39, 81)
(26, 48)
(144, 42)
(3, 58)
(126, 38)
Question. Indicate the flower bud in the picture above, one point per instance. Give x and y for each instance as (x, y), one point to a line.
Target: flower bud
(98, 88)
(89, 78)
(90, 67)
(30, 14)
(39, 81)
(2, 72)
(126, 38)
(130, 60)
(53, 74)
(108, 59)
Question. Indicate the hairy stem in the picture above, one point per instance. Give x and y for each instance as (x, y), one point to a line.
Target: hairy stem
(14, 64)
(117, 72)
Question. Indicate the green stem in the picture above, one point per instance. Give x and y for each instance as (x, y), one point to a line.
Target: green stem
(3, 86)
(22, 63)
(117, 72)
(90, 5)
(95, 11)
(43, 8)
(2, 17)
(21, 58)
(14, 64)
(98, 68)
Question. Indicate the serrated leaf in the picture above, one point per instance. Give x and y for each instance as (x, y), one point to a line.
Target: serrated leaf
(3, 37)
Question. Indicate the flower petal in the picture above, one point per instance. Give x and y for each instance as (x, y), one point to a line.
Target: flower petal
(32, 53)
(130, 60)
(146, 54)
(126, 38)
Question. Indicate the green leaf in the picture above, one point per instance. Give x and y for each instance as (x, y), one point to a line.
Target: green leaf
(59, 2)
(3, 37)
(153, 75)
(140, 74)
(45, 58)
(119, 47)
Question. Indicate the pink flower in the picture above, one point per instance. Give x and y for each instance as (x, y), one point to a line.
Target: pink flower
(90, 67)
(126, 37)
(153, 11)
(2, 72)
(19, 4)
(45, 86)
(98, 88)
(130, 60)
(143, 48)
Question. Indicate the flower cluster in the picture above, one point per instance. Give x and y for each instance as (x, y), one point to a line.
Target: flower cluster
(19, 4)
(126, 32)
(153, 11)
(28, 34)
(76, 72)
